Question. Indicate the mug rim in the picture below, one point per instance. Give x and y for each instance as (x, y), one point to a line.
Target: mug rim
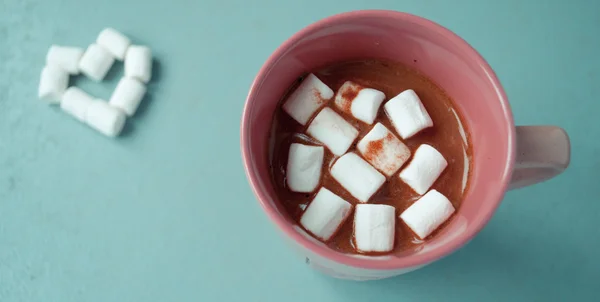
(393, 263)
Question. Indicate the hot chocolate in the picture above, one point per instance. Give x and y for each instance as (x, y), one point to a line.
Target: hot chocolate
(442, 143)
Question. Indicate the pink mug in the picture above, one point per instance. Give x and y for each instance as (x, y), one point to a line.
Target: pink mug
(504, 156)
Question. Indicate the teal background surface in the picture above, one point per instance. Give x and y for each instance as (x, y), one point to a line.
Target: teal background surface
(164, 213)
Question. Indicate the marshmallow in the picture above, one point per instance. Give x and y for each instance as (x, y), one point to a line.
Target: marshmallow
(424, 169)
(304, 167)
(383, 150)
(138, 63)
(96, 62)
(104, 118)
(53, 83)
(427, 213)
(128, 95)
(407, 113)
(310, 96)
(362, 103)
(359, 178)
(115, 42)
(76, 102)
(65, 57)
(333, 131)
(325, 214)
(374, 227)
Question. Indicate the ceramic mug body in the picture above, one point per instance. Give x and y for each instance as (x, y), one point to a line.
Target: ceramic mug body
(447, 60)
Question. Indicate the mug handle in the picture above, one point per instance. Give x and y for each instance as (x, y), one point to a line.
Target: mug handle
(542, 153)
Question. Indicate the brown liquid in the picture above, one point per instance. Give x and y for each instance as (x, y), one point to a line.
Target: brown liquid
(390, 78)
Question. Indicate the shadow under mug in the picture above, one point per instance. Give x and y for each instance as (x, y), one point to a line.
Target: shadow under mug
(504, 156)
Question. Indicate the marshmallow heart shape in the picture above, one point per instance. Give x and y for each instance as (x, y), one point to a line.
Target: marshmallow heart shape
(95, 62)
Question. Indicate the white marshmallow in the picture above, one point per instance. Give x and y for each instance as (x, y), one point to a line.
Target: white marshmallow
(304, 167)
(53, 83)
(427, 213)
(115, 42)
(128, 95)
(374, 228)
(76, 102)
(407, 113)
(333, 131)
(310, 96)
(65, 57)
(95, 62)
(424, 169)
(138, 63)
(359, 178)
(362, 103)
(104, 118)
(383, 150)
(325, 214)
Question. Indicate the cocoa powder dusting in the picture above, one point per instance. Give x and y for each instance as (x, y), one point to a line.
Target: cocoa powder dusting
(349, 95)
(317, 94)
(374, 148)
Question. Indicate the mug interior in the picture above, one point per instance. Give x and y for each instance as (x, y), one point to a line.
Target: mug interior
(433, 50)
